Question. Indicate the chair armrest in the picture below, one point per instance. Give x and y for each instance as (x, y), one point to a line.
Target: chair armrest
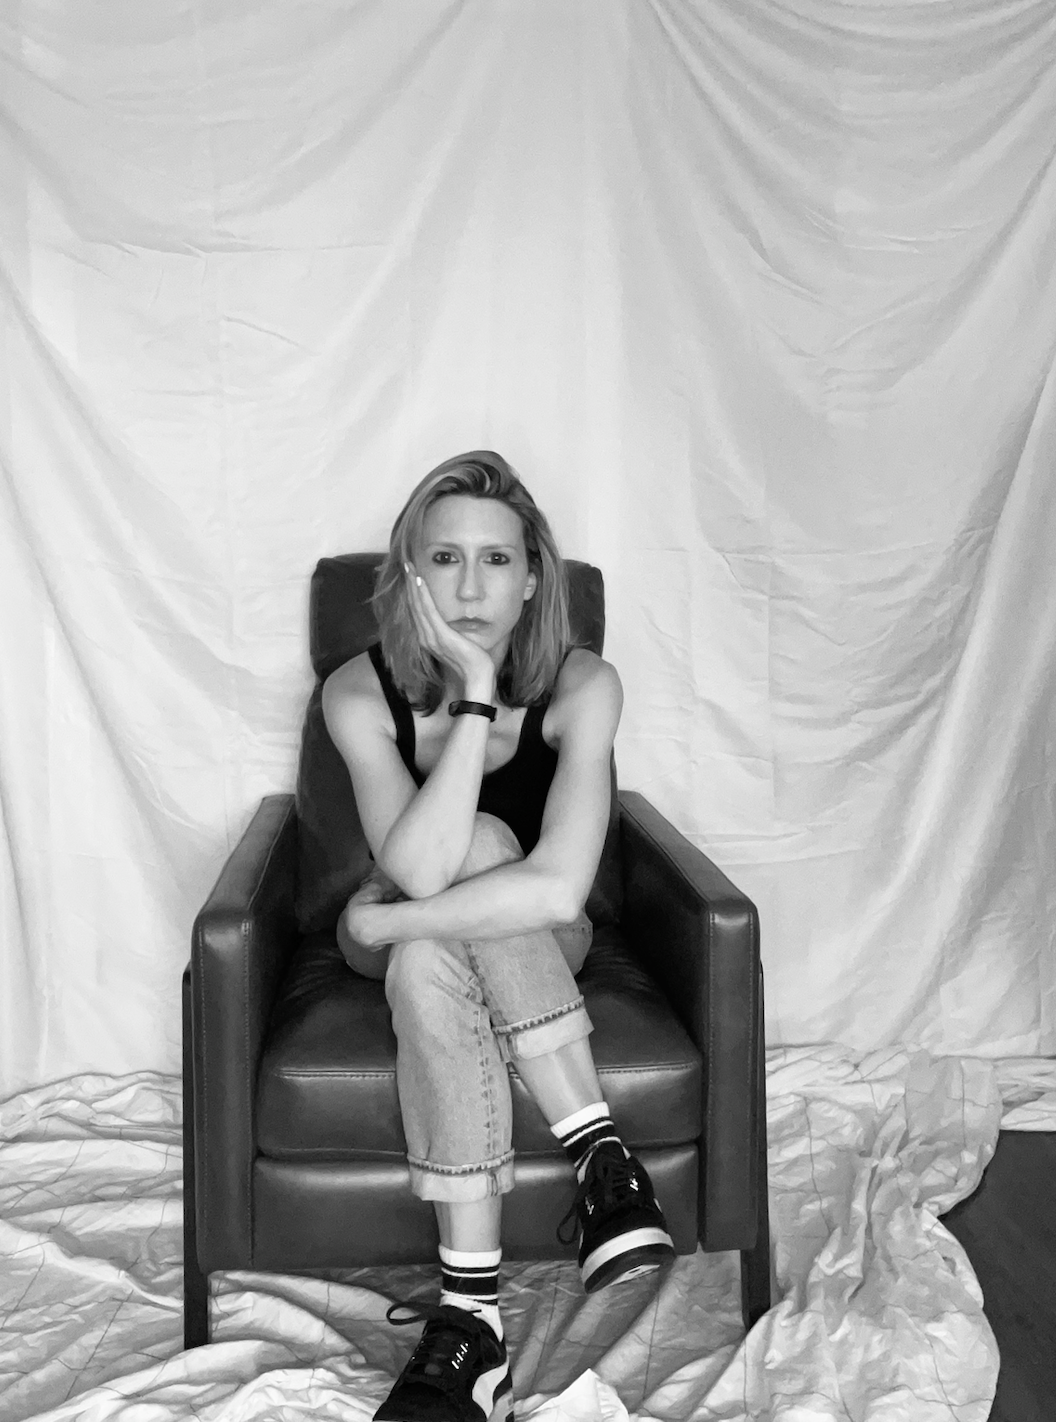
(241, 942)
(698, 936)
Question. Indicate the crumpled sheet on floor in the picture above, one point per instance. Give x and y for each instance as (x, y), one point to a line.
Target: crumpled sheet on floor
(877, 1313)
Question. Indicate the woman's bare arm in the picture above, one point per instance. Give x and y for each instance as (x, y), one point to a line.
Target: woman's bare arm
(550, 886)
(419, 837)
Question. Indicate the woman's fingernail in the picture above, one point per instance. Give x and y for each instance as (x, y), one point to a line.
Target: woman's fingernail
(418, 581)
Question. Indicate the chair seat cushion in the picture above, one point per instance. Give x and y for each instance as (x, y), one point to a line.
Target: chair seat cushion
(327, 1084)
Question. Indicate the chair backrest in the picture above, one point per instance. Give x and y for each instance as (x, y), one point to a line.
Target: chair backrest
(333, 854)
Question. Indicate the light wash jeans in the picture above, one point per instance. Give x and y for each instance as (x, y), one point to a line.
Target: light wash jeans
(462, 1011)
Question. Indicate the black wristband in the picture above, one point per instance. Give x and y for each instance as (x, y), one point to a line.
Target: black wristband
(473, 708)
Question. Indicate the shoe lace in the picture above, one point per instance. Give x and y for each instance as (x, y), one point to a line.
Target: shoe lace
(609, 1181)
(450, 1342)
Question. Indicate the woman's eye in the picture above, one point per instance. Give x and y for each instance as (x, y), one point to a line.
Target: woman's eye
(444, 558)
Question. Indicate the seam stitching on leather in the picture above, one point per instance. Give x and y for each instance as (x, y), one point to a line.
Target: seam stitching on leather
(351, 1074)
(247, 1183)
(247, 1176)
(337, 1074)
(709, 1110)
(273, 849)
(203, 1202)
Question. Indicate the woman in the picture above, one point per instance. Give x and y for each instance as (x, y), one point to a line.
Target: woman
(478, 742)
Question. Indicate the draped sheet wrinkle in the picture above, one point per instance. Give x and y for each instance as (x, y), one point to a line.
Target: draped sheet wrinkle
(877, 1314)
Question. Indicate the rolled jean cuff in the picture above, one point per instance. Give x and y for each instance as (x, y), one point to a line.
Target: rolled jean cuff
(458, 1183)
(539, 1035)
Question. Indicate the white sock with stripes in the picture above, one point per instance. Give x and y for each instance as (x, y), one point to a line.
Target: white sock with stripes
(582, 1131)
(470, 1280)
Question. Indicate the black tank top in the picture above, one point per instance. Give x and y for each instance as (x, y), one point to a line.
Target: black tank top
(515, 792)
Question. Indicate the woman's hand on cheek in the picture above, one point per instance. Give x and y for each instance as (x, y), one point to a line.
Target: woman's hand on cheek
(470, 662)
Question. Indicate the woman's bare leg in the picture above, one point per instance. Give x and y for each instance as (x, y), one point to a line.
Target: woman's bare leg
(470, 1225)
(563, 1081)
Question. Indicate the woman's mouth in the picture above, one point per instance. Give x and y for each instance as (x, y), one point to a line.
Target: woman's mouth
(470, 624)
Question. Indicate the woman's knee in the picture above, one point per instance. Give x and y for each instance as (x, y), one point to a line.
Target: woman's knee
(421, 976)
(411, 966)
(493, 843)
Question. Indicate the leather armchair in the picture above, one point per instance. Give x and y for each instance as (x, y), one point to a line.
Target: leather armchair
(294, 1157)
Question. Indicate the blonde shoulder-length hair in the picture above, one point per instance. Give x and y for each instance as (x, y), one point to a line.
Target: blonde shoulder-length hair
(542, 635)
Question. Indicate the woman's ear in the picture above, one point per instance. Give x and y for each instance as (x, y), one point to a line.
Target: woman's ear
(530, 587)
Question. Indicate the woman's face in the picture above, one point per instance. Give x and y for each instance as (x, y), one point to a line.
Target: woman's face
(473, 560)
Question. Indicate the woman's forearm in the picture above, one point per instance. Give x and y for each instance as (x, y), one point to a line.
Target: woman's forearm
(426, 847)
(508, 900)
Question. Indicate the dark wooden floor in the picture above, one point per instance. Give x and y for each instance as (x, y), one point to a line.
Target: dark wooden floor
(1008, 1230)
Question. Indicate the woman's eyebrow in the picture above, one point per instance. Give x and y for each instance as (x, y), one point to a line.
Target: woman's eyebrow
(485, 547)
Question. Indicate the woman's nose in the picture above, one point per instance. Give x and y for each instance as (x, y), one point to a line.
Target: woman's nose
(469, 583)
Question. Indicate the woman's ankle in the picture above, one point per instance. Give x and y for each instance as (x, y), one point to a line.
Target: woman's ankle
(469, 1279)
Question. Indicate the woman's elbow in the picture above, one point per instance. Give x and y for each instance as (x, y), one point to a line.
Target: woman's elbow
(422, 884)
(565, 903)
(413, 873)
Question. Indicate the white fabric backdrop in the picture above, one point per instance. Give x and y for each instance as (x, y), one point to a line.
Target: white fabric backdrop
(757, 296)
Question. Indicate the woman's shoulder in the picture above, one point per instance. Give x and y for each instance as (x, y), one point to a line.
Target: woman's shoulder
(584, 668)
(353, 687)
(587, 686)
(355, 674)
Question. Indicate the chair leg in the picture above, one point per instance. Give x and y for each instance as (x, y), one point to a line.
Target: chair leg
(755, 1279)
(755, 1262)
(195, 1283)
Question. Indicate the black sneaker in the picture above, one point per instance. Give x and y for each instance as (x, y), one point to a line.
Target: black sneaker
(624, 1230)
(458, 1373)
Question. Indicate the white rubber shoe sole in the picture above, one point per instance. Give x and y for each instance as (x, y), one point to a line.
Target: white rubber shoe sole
(626, 1256)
